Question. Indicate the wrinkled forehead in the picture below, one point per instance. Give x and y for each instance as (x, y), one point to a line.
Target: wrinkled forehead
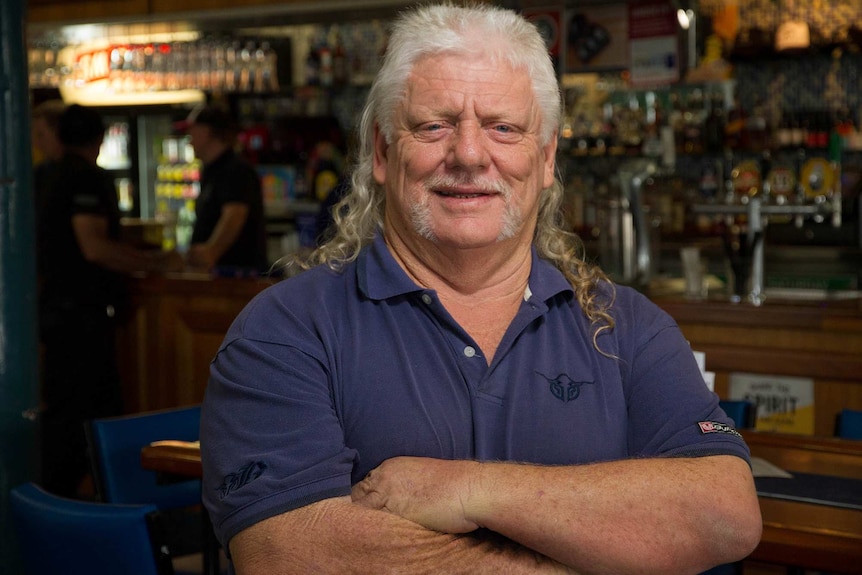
(446, 82)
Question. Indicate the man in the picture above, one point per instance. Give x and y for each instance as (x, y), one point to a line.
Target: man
(45, 120)
(457, 391)
(229, 227)
(82, 296)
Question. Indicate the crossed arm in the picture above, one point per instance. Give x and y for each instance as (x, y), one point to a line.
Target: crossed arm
(419, 515)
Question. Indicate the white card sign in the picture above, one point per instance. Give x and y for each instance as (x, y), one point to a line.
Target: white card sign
(784, 404)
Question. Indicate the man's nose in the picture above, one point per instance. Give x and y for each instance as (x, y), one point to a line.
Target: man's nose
(468, 146)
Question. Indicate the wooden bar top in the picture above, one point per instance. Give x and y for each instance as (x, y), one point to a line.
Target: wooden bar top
(807, 454)
(814, 314)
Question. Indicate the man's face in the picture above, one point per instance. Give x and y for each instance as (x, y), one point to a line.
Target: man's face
(466, 164)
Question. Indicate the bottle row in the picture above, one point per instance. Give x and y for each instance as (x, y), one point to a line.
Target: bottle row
(665, 125)
(701, 194)
(215, 64)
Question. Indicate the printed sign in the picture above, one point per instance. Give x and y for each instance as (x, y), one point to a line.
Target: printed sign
(784, 404)
(653, 44)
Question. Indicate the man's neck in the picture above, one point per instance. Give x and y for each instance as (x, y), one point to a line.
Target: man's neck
(498, 271)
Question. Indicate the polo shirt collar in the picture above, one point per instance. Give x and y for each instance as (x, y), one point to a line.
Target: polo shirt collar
(380, 277)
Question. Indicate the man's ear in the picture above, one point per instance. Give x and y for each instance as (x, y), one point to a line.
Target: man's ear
(550, 150)
(381, 159)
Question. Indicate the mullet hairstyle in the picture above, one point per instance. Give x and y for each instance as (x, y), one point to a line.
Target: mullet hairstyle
(449, 29)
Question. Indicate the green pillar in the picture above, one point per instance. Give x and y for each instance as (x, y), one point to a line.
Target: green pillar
(18, 335)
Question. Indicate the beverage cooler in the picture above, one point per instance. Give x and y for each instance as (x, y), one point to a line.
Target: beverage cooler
(132, 152)
(155, 172)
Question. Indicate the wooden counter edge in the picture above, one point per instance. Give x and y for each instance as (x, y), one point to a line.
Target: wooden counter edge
(776, 315)
(173, 459)
(835, 445)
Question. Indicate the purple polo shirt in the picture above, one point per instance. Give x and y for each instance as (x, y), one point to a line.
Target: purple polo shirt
(325, 375)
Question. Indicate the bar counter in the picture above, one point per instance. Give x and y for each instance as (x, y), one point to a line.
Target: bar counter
(176, 325)
(817, 339)
(178, 321)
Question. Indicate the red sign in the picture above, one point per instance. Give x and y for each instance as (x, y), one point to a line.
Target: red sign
(649, 19)
(548, 22)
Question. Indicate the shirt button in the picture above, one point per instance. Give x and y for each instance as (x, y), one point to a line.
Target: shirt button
(426, 298)
(469, 351)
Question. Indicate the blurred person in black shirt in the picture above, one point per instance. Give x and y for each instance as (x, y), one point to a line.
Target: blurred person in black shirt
(82, 297)
(229, 230)
(44, 125)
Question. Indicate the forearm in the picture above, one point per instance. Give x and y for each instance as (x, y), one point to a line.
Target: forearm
(119, 257)
(226, 230)
(634, 516)
(651, 515)
(91, 233)
(341, 538)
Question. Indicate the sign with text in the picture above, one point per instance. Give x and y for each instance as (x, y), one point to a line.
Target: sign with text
(653, 43)
(784, 404)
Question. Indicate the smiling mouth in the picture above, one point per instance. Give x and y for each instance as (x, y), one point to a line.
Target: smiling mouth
(460, 195)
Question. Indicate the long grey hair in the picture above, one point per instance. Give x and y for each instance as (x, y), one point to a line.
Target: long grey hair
(446, 28)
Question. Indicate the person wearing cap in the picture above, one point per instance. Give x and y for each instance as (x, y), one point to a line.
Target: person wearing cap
(229, 227)
(82, 296)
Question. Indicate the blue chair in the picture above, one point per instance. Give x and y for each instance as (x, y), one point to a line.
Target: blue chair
(115, 452)
(849, 424)
(742, 412)
(73, 537)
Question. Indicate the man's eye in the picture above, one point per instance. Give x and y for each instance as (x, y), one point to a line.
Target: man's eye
(504, 129)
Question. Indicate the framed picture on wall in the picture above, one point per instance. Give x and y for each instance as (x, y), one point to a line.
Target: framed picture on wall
(549, 23)
(596, 38)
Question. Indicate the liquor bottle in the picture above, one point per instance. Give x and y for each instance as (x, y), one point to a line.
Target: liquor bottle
(734, 128)
(694, 116)
(652, 145)
(756, 132)
(676, 121)
(784, 133)
(715, 124)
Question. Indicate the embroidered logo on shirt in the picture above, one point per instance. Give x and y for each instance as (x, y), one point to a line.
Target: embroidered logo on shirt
(564, 387)
(244, 475)
(716, 427)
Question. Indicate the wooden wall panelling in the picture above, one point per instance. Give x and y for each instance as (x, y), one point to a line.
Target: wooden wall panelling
(172, 6)
(201, 325)
(80, 11)
(821, 343)
(175, 331)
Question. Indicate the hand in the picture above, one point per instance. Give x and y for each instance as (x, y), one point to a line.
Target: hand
(200, 256)
(431, 492)
(172, 262)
